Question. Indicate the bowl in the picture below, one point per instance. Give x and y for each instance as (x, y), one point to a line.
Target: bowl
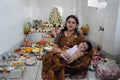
(48, 48)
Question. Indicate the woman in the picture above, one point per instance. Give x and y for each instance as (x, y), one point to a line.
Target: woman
(77, 63)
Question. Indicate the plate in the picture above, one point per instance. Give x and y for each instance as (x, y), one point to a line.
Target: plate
(30, 62)
(9, 68)
(2, 68)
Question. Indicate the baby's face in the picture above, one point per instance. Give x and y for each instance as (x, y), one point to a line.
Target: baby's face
(83, 46)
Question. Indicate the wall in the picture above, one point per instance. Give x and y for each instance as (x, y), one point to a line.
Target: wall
(94, 17)
(81, 10)
(41, 8)
(110, 26)
(116, 49)
(117, 35)
(11, 23)
(14, 13)
(109, 18)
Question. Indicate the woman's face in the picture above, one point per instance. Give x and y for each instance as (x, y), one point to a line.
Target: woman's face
(71, 24)
(83, 46)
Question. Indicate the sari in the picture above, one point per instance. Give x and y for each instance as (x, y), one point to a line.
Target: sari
(55, 67)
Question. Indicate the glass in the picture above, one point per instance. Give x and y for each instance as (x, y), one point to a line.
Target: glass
(26, 30)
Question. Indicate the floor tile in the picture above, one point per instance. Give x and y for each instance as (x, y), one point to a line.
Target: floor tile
(39, 77)
(91, 75)
(30, 73)
(34, 73)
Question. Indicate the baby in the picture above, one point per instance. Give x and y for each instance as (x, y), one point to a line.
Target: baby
(84, 46)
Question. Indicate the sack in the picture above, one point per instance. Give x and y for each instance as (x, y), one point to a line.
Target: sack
(107, 70)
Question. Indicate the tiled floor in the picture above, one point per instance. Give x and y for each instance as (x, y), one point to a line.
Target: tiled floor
(34, 73)
(91, 75)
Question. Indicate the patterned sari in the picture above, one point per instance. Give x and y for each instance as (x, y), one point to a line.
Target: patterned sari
(50, 59)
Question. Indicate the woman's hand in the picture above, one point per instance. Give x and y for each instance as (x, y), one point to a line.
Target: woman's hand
(54, 48)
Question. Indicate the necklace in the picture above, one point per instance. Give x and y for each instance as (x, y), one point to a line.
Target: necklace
(68, 42)
(69, 37)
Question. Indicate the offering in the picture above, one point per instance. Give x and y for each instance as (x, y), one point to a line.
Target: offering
(17, 63)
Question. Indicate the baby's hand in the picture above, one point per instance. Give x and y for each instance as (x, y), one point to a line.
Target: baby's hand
(64, 57)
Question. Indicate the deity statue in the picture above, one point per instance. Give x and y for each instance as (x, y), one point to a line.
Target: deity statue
(55, 17)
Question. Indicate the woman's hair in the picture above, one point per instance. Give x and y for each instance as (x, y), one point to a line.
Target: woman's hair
(76, 19)
(89, 45)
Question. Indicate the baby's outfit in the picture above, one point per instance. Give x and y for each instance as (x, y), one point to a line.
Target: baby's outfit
(71, 51)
